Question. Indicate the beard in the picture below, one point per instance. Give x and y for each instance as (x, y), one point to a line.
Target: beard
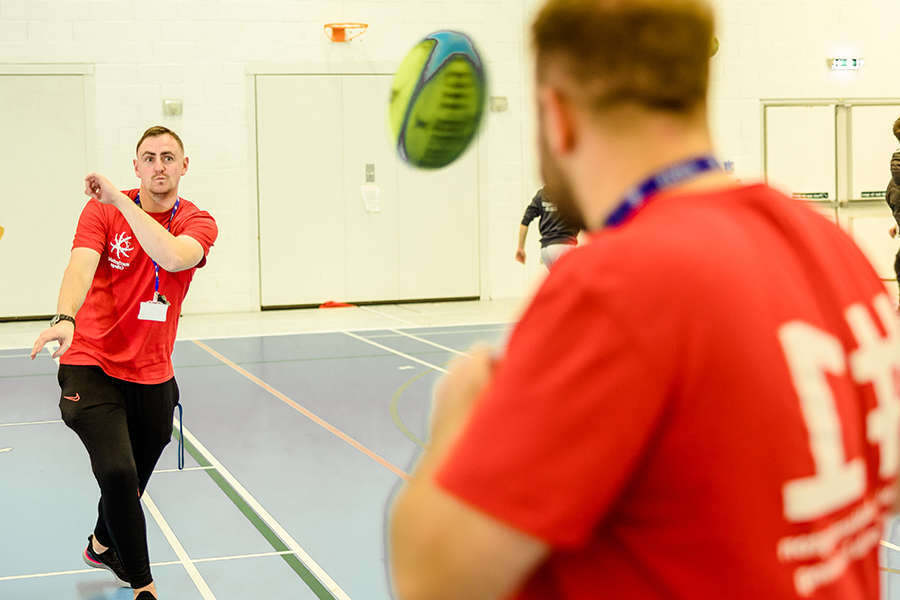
(161, 187)
(557, 187)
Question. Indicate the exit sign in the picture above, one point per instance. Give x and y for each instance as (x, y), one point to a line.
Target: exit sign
(846, 64)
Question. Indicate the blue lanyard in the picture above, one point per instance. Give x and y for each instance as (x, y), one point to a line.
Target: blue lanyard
(137, 200)
(640, 195)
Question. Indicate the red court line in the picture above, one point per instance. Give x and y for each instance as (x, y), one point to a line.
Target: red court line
(306, 413)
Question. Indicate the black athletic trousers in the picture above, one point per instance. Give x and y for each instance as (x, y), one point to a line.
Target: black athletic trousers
(124, 426)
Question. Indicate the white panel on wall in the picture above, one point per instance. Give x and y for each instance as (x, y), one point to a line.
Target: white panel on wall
(42, 165)
(869, 228)
(439, 240)
(800, 150)
(301, 209)
(319, 240)
(872, 143)
(372, 237)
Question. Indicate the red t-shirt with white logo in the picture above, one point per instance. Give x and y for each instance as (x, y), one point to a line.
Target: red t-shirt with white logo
(701, 403)
(108, 332)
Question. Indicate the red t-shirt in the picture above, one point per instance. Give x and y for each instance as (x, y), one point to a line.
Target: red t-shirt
(687, 409)
(108, 332)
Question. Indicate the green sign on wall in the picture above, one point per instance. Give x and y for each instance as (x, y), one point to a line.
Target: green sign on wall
(875, 195)
(811, 195)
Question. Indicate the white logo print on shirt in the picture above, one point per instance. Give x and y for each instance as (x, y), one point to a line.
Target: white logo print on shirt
(121, 245)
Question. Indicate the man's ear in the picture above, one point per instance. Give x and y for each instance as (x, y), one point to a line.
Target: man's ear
(136, 169)
(184, 166)
(558, 120)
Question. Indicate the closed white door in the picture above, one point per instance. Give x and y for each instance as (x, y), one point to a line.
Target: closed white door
(866, 215)
(838, 156)
(800, 150)
(868, 224)
(439, 235)
(322, 140)
(372, 234)
(302, 222)
(872, 142)
(42, 166)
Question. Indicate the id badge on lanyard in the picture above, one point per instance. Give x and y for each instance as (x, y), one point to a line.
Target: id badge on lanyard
(158, 308)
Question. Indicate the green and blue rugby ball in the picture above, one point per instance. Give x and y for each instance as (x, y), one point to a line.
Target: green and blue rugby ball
(437, 100)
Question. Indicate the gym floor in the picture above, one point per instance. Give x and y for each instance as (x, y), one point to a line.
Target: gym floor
(295, 443)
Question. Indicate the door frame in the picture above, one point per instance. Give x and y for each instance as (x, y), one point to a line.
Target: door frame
(341, 69)
(86, 71)
(843, 128)
(844, 206)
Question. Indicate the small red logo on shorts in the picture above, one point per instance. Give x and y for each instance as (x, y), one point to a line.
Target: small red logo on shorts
(74, 398)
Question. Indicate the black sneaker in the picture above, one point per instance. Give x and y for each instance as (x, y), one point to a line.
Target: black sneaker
(107, 560)
(145, 595)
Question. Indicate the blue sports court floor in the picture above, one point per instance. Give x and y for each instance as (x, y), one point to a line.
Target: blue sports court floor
(295, 444)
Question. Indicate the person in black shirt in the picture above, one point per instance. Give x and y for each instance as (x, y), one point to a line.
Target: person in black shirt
(557, 236)
(893, 195)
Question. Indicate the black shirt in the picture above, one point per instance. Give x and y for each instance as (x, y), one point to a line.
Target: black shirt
(553, 229)
(893, 191)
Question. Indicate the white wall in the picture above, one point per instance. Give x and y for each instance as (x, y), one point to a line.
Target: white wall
(201, 50)
(777, 49)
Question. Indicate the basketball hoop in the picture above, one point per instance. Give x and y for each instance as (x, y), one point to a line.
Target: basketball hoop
(344, 32)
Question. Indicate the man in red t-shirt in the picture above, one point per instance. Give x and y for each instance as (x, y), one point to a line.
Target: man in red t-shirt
(134, 255)
(701, 402)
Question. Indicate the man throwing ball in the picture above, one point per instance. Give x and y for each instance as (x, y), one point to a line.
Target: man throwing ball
(134, 255)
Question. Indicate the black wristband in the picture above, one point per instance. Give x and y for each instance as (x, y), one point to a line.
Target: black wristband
(59, 318)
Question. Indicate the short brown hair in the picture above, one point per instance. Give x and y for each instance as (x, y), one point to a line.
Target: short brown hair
(897, 129)
(156, 131)
(652, 54)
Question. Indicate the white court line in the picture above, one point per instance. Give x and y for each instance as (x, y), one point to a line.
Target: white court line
(430, 343)
(184, 469)
(183, 557)
(30, 423)
(384, 314)
(167, 563)
(180, 552)
(397, 352)
(242, 556)
(53, 574)
(890, 545)
(274, 525)
(437, 333)
(321, 331)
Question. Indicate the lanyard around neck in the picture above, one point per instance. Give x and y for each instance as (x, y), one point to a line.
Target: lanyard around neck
(137, 200)
(641, 194)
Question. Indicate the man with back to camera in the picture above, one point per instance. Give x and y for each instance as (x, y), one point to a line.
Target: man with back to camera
(557, 236)
(133, 258)
(893, 195)
(701, 402)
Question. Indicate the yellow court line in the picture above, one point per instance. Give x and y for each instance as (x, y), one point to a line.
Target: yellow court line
(305, 412)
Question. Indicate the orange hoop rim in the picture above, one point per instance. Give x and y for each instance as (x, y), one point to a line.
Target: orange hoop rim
(338, 32)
